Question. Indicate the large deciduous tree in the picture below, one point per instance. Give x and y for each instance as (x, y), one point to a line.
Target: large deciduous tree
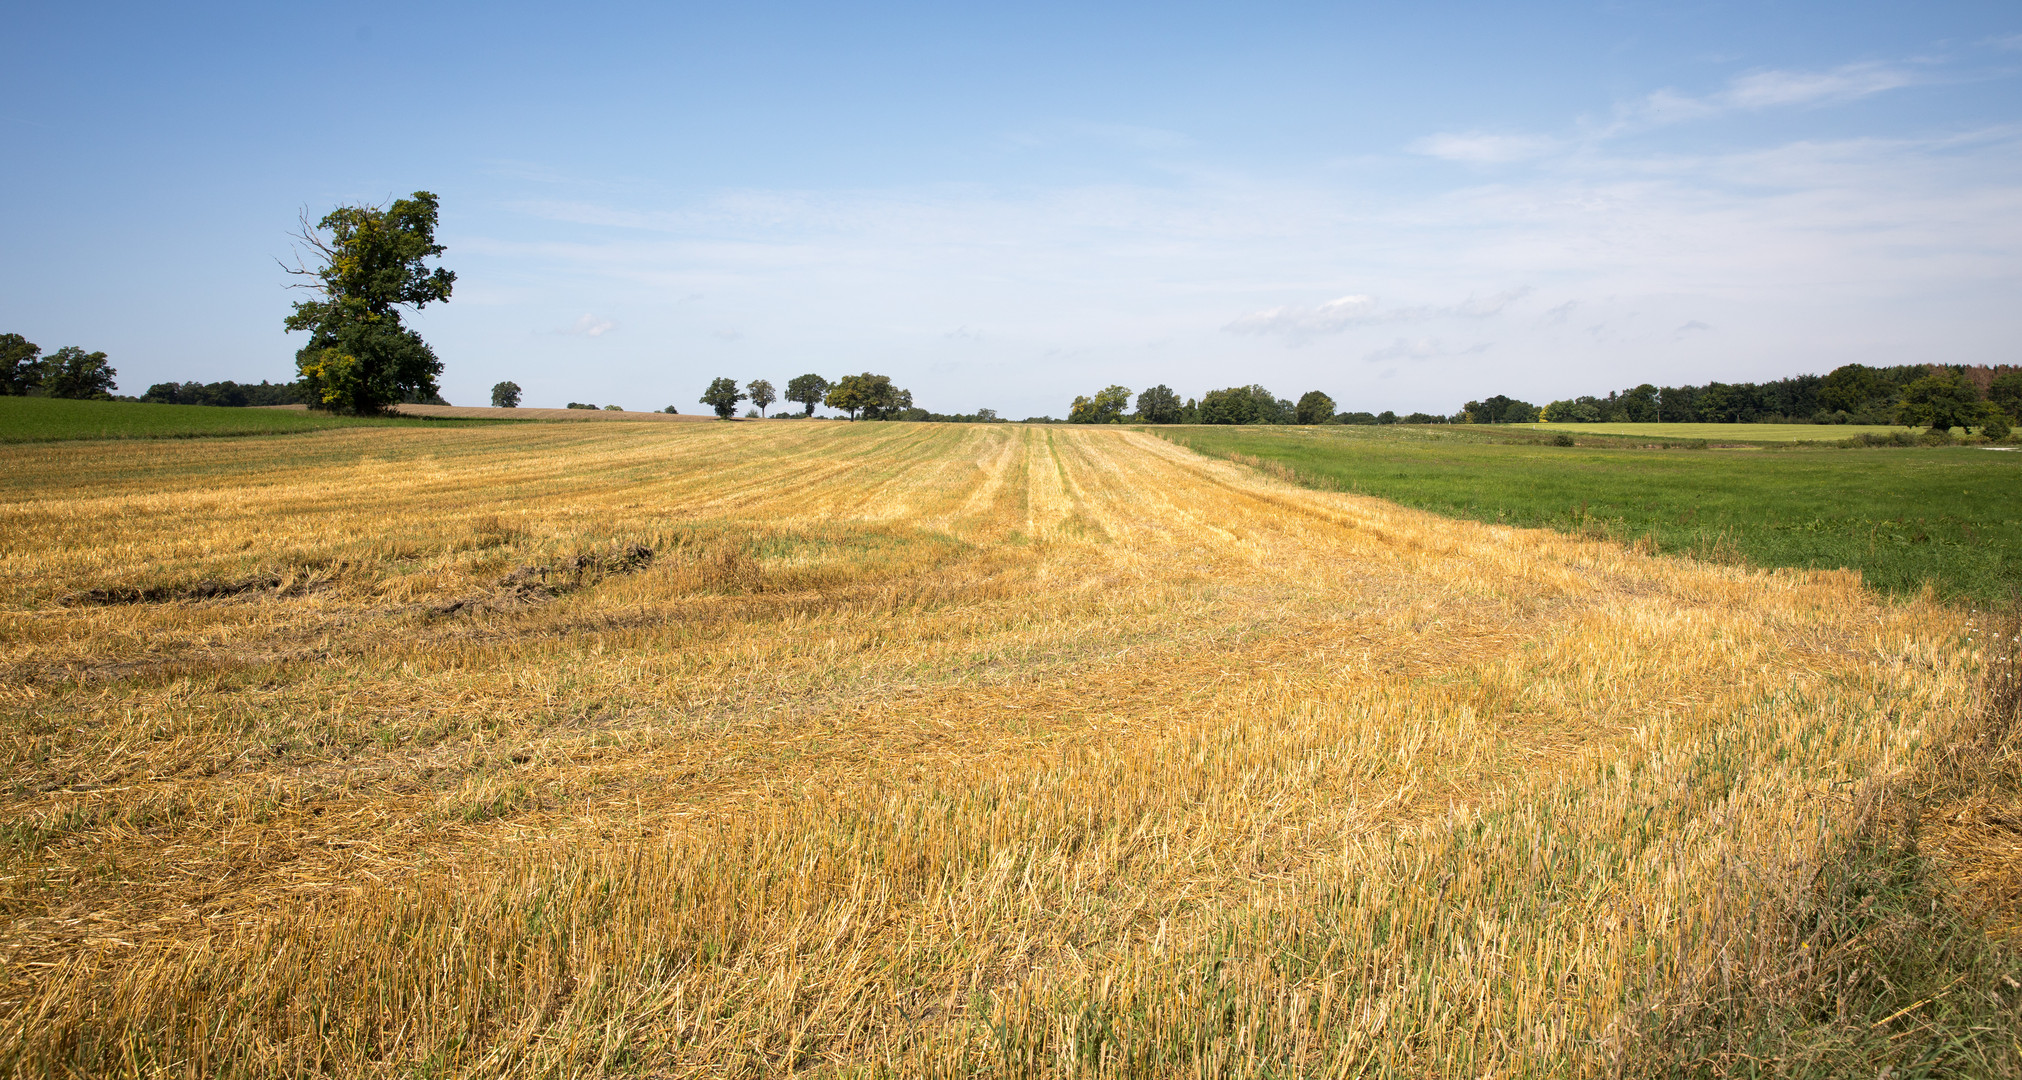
(1501, 410)
(1314, 408)
(1850, 387)
(505, 395)
(1159, 405)
(761, 394)
(847, 394)
(1252, 404)
(1637, 405)
(873, 397)
(70, 372)
(359, 358)
(20, 366)
(808, 390)
(723, 396)
(1942, 402)
(1106, 407)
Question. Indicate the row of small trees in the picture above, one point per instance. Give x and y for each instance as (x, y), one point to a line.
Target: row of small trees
(867, 396)
(69, 372)
(1253, 404)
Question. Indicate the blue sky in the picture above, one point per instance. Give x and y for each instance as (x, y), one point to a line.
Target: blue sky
(1403, 205)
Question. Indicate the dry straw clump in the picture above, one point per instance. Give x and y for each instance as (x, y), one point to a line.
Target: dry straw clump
(934, 750)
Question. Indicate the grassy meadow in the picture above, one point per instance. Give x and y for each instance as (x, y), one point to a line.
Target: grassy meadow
(957, 750)
(25, 419)
(1724, 433)
(1949, 516)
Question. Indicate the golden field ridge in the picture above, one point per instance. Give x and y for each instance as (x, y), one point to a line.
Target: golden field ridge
(928, 750)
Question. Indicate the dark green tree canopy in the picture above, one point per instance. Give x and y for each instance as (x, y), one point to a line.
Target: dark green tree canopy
(871, 396)
(20, 366)
(1942, 402)
(1159, 405)
(360, 358)
(2006, 393)
(808, 390)
(1233, 405)
(1849, 386)
(1106, 407)
(1580, 410)
(505, 395)
(226, 393)
(70, 372)
(1251, 404)
(761, 394)
(1501, 410)
(1314, 408)
(723, 396)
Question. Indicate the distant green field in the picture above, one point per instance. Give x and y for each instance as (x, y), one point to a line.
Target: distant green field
(1951, 516)
(1751, 433)
(55, 419)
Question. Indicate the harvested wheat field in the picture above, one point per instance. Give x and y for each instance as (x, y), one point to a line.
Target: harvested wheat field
(903, 749)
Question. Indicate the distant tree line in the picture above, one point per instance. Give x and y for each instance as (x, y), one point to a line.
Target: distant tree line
(1916, 395)
(227, 393)
(1253, 404)
(236, 395)
(69, 372)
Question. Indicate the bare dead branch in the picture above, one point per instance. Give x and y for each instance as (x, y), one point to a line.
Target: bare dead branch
(308, 234)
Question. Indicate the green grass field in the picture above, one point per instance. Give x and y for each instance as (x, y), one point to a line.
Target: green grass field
(1951, 516)
(1741, 433)
(54, 419)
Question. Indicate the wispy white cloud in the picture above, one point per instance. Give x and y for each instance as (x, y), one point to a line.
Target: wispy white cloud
(1421, 349)
(1481, 148)
(1752, 92)
(591, 326)
(1481, 307)
(1769, 89)
(1760, 90)
(1349, 312)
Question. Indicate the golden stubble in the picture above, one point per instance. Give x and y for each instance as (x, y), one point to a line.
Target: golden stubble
(914, 748)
